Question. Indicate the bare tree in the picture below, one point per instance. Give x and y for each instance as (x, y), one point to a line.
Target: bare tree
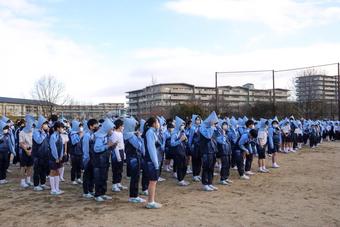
(50, 92)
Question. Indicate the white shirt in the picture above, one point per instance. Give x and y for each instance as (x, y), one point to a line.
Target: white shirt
(117, 137)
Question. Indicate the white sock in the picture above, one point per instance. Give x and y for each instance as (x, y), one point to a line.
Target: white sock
(56, 180)
(52, 184)
(23, 181)
(28, 179)
(61, 172)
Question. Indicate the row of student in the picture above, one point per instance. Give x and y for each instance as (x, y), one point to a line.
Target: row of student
(92, 146)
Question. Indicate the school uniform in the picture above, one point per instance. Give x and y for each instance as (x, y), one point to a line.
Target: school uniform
(224, 153)
(152, 163)
(87, 162)
(193, 143)
(76, 151)
(6, 147)
(237, 156)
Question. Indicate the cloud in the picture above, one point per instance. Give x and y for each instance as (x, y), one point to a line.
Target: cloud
(280, 16)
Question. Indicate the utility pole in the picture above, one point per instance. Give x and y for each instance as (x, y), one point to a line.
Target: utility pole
(274, 106)
(216, 90)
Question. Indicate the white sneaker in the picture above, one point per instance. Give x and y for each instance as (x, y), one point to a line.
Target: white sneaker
(244, 177)
(9, 171)
(216, 174)
(3, 181)
(174, 175)
(275, 165)
(121, 187)
(213, 187)
(137, 200)
(99, 199)
(183, 183)
(106, 197)
(250, 173)
(265, 170)
(115, 188)
(261, 170)
(196, 179)
(223, 182)
(144, 193)
(88, 196)
(234, 168)
(79, 181)
(60, 192)
(24, 185)
(38, 188)
(62, 179)
(207, 188)
(161, 179)
(45, 187)
(229, 181)
(189, 171)
(74, 183)
(29, 183)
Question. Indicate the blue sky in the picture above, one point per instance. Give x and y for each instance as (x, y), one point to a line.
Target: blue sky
(121, 45)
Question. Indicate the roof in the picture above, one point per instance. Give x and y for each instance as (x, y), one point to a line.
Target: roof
(24, 101)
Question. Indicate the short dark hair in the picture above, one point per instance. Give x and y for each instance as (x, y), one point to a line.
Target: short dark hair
(249, 122)
(57, 125)
(91, 122)
(118, 123)
(253, 133)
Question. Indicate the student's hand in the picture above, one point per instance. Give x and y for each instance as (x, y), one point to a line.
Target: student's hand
(110, 144)
(183, 138)
(115, 144)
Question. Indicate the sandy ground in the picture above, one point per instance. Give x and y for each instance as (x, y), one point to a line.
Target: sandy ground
(305, 191)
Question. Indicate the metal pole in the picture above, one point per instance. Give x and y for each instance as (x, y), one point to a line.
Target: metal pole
(274, 107)
(338, 91)
(216, 90)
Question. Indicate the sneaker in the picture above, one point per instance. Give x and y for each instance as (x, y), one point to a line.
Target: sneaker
(216, 174)
(144, 193)
(115, 188)
(174, 175)
(9, 171)
(62, 179)
(229, 181)
(244, 177)
(79, 181)
(223, 182)
(53, 192)
(3, 181)
(167, 169)
(38, 188)
(183, 183)
(234, 168)
(275, 165)
(45, 187)
(213, 187)
(189, 171)
(29, 183)
(196, 179)
(137, 200)
(261, 170)
(153, 205)
(60, 192)
(24, 185)
(106, 197)
(121, 187)
(88, 196)
(207, 188)
(250, 173)
(161, 179)
(99, 199)
(74, 183)
(265, 170)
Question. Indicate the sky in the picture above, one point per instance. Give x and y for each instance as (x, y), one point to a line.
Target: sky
(104, 48)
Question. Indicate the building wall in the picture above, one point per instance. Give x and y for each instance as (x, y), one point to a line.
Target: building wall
(161, 97)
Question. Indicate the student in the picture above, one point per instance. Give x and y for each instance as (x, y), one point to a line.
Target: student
(57, 152)
(20, 126)
(169, 153)
(152, 163)
(40, 154)
(179, 145)
(193, 143)
(87, 162)
(145, 180)
(248, 156)
(11, 133)
(224, 152)
(274, 139)
(76, 151)
(65, 136)
(246, 148)
(118, 156)
(299, 135)
(208, 150)
(134, 147)
(6, 147)
(262, 138)
(101, 159)
(26, 161)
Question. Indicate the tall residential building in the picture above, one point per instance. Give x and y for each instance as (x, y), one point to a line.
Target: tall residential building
(159, 98)
(317, 88)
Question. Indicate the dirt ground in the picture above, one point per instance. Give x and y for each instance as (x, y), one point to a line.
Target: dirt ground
(305, 191)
